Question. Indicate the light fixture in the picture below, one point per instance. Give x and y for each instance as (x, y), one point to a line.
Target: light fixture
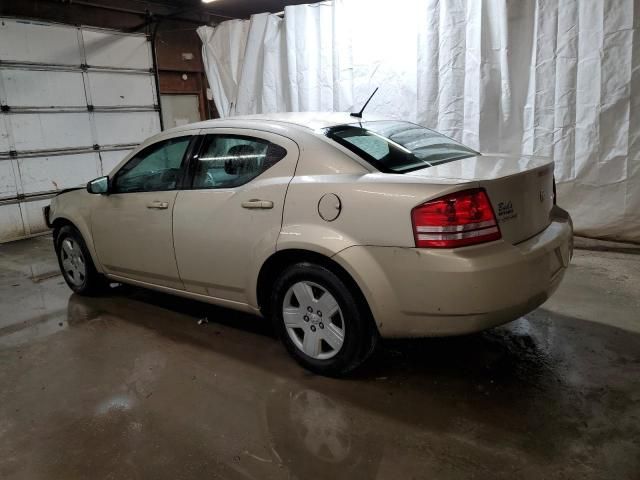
(208, 1)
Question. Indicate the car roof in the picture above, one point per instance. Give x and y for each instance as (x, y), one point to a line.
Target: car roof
(310, 120)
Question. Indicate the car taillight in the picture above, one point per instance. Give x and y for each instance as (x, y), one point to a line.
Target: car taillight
(455, 220)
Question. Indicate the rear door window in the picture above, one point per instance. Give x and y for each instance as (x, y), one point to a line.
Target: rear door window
(227, 161)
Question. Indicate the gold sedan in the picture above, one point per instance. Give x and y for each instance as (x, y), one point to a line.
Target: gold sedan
(338, 229)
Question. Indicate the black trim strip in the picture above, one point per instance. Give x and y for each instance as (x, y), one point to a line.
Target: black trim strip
(62, 67)
(32, 197)
(66, 151)
(13, 110)
(188, 167)
(45, 213)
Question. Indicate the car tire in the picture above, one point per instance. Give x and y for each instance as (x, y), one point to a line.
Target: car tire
(76, 264)
(313, 337)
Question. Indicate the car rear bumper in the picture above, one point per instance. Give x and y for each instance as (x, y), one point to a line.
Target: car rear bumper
(432, 292)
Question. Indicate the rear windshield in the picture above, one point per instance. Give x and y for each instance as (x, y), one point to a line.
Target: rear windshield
(398, 147)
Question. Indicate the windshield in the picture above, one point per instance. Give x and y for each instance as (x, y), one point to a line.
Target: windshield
(398, 147)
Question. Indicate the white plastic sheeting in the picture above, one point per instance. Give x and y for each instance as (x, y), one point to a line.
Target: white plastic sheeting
(223, 60)
(545, 77)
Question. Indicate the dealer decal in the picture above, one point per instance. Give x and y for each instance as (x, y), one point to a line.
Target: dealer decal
(506, 212)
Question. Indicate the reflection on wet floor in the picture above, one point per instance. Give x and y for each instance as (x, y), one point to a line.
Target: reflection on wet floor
(128, 385)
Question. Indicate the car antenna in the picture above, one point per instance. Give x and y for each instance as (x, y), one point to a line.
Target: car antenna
(359, 114)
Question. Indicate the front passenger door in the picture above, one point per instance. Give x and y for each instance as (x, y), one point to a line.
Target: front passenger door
(132, 225)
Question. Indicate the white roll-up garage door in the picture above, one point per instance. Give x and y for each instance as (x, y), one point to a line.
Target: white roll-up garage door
(74, 102)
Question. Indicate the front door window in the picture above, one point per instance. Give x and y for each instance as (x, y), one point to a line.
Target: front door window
(156, 168)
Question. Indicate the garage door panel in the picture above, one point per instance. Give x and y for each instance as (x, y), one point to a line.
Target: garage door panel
(32, 215)
(49, 126)
(104, 49)
(23, 41)
(48, 131)
(42, 88)
(121, 89)
(124, 128)
(57, 172)
(109, 160)
(11, 227)
(7, 179)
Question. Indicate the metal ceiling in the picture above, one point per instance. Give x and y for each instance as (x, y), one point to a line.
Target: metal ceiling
(231, 8)
(193, 11)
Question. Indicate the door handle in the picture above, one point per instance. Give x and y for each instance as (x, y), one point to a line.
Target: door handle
(254, 203)
(158, 205)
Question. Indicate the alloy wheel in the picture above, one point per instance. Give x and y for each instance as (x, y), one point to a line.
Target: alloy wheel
(313, 320)
(73, 262)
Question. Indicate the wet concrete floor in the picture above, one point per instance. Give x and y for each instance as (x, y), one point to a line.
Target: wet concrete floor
(128, 385)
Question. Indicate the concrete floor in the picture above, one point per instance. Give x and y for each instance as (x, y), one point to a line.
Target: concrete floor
(130, 386)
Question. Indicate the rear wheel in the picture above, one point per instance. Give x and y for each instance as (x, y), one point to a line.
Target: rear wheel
(321, 321)
(75, 262)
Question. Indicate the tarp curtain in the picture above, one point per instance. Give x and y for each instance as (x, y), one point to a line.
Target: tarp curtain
(559, 78)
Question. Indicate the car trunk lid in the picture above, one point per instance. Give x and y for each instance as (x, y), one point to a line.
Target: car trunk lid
(520, 189)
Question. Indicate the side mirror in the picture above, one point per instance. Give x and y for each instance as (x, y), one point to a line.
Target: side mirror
(98, 185)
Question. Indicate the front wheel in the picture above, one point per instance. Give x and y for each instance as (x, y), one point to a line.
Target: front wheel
(321, 321)
(75, 262)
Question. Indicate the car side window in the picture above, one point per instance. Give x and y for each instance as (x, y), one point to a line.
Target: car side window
(227, 161)
(156, 168)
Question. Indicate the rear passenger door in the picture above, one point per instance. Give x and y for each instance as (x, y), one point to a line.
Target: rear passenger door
(227, 219)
